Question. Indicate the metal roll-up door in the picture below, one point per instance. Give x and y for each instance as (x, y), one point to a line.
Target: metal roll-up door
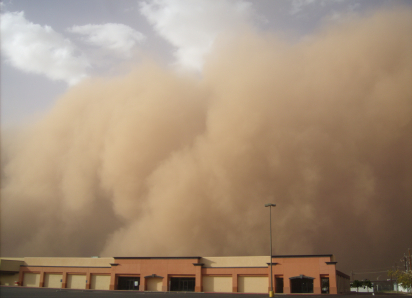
(53, 280)
(100, 282)
(253, 284)
(76, 281)
(217, 284)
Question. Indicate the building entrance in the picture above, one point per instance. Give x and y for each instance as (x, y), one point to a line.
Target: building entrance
(325, 285)
(128, 283)
(301, 284)
(279, 285)
(184, 284)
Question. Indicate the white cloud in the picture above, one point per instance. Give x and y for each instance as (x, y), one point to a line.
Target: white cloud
(39, 49)
(299, 5)
(192, 26)
(117, 38)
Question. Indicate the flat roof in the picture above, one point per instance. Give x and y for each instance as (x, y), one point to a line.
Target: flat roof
(197, 257)
(157, 257)
(301, 256)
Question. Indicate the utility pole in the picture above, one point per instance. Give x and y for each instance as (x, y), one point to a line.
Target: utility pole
(410, 264)
(270, 231)
(396, 282)
(406, 262)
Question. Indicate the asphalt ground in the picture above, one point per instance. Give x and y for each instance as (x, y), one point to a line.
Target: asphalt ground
(23, 292)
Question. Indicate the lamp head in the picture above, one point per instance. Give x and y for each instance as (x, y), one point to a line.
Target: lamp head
(270, 205)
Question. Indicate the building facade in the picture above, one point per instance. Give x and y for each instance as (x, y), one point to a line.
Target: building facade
(291, 274)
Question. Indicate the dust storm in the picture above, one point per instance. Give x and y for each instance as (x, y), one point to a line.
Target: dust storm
(159, 163)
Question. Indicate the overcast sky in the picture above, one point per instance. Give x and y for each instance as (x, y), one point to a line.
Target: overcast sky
(49, 45)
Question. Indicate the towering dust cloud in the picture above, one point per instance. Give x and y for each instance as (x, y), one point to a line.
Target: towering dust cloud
(155, 163)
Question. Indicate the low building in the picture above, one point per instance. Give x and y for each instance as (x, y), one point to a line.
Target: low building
(9, 271)
(291, 274)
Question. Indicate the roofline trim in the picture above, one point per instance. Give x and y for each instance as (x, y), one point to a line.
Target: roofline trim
(57, 266)
(130, 258)
(301, 256)
(237, 267)
(340, 273)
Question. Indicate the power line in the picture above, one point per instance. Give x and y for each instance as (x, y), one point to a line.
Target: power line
(365, 272)
(375, 269)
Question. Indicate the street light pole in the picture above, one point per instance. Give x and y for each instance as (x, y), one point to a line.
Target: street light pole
(270, 232)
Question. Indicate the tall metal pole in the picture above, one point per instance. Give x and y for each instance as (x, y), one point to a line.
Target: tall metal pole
(271, 274)
(270, 236)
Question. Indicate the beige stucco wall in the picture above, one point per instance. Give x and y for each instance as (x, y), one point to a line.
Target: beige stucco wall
(343, 284)
(100, 282)
(76, 281)
(217, 284)
(253, 284)
(69, 262)
(8, 279)
(154, 284)
(53, 280)
(11, 264)
(255, 261)
(31, 280)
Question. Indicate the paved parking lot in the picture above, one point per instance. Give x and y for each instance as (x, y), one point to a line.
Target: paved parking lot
(21, 292)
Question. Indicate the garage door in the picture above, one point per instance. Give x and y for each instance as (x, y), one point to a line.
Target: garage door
(253, 284)
(217, 284)
(31, 279)
(100, 282)
(76, 281)
(53, 280)
(154, 284)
